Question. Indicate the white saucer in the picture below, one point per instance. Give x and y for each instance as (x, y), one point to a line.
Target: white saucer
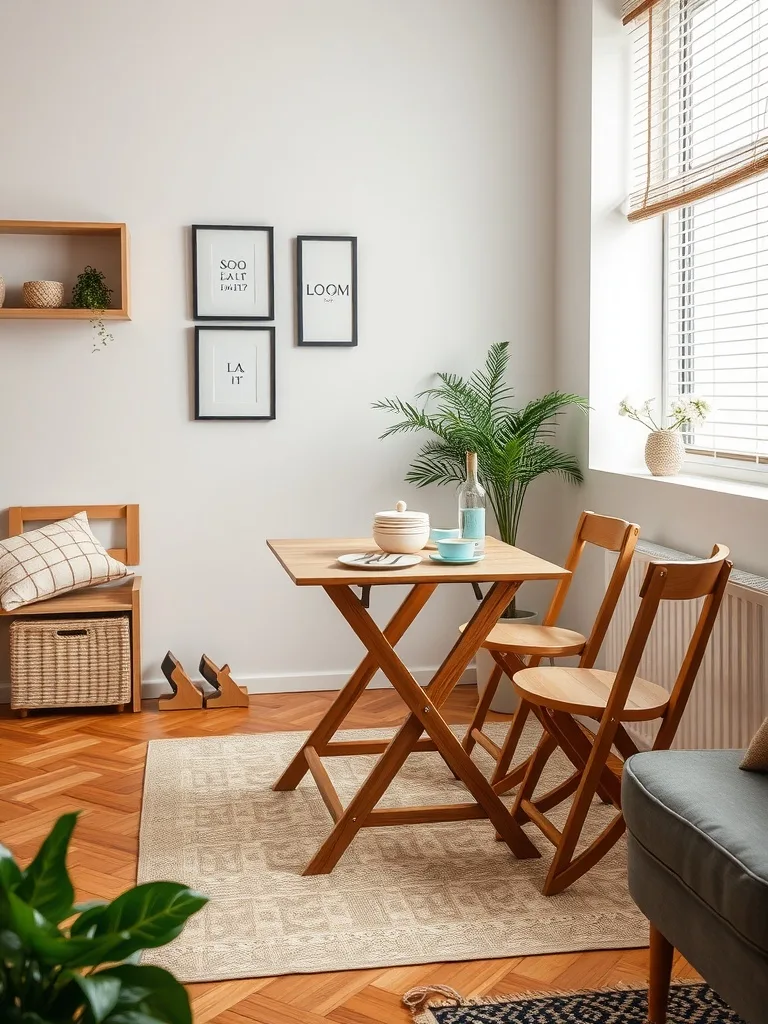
(457, 561)
(388, 561)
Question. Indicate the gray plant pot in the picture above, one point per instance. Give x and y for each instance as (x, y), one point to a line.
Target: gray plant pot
(505, 699)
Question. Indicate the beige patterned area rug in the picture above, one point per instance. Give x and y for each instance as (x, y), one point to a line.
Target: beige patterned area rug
(406, 895)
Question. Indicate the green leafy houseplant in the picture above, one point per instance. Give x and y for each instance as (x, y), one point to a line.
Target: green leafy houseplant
(475, 415)
(90, 292)
(54, 973)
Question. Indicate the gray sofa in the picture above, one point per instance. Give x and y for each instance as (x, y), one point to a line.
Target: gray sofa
(698, 869)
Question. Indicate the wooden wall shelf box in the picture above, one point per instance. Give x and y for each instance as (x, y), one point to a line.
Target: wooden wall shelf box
(113, 236)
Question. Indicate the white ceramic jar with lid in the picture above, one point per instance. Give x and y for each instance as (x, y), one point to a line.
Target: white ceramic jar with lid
(399, 531)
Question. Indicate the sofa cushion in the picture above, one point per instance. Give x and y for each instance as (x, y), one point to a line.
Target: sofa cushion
(694, 811)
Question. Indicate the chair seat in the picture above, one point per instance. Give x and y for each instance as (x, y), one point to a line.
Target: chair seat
(585, 691)
(524, 638)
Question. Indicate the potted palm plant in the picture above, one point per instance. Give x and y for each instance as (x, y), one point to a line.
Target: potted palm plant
(513, 446)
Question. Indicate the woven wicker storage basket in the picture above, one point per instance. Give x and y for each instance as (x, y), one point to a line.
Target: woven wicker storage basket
(43, 294)
(58, 663)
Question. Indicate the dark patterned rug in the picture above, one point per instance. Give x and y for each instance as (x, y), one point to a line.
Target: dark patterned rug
(688, 1004)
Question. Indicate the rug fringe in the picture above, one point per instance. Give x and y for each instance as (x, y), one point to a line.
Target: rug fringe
(422, 1004)
(416, 999)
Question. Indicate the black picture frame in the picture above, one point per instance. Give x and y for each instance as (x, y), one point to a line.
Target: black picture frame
(303, 329)
(196, 268)
(270, 331)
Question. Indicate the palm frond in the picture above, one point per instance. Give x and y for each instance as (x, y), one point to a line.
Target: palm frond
(488, 383)
(540, 459)
(475, 415)
(415, 419)
(437, 462)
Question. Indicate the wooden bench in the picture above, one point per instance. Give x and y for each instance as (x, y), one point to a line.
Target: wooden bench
(112, 598)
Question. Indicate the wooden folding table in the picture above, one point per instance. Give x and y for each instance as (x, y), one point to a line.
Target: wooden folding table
(313, 563)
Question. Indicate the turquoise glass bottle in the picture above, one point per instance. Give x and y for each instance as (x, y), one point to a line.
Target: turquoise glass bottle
(472, 506)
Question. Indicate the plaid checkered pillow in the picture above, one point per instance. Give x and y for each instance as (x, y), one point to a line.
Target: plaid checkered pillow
(53, 560)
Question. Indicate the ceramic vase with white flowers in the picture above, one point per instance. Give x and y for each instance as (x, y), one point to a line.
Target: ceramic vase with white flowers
(665, 449)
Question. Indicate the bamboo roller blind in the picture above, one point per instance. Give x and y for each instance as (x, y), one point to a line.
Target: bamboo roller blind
(700, 99)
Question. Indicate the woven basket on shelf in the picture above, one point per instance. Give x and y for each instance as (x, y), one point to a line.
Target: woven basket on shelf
(58, 663)
(43, 294)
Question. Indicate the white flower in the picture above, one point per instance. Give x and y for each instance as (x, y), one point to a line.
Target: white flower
(642, 413)
(688, 409)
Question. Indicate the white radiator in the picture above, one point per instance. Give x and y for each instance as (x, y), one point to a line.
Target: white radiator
(730, 696)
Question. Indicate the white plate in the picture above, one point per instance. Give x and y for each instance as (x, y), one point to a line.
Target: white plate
(457, 561)
(356, 561)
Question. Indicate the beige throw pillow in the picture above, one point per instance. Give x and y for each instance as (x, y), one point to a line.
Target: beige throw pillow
(756, 757)
(53, 560)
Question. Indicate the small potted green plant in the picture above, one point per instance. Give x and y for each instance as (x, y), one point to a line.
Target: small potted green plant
(91, 292)
(512, 445)
(68, 963)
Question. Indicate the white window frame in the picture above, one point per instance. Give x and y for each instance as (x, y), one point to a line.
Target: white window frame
(698, 461)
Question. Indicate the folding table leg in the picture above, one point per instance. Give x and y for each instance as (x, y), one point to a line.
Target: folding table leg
(425, 715)
(346, 699)
(366, 798)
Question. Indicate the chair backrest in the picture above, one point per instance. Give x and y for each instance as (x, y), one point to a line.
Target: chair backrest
(612, 535)
(673, 581)
(18, 515)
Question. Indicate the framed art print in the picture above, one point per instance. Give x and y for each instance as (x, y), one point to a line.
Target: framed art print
(234, 373)
(326, 276)
(233, 275)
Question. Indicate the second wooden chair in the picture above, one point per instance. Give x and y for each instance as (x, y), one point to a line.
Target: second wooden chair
(510, 643)
(563, 698)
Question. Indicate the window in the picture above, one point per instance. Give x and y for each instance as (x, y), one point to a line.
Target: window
(701, 160)
(717, 318)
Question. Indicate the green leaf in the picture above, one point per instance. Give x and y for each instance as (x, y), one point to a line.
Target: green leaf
(44, 940)
(96, 997)
(153, 991)
(10, 873)
(46, 885)
(80, 908)
(133, 1017)
(147, 916)
(11, 947)
(101, 993)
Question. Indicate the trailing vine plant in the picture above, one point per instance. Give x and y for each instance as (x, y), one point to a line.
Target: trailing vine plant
(91, 292)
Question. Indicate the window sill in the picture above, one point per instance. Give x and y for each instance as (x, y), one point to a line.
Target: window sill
(703, 483)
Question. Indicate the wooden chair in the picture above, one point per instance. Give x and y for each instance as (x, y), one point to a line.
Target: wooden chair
(510, 643)
(557, 695)
(123, 597)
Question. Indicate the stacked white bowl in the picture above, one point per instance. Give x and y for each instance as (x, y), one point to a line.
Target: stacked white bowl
(401, 532)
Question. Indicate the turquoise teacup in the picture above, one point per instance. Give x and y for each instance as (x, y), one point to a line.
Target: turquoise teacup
(437, 535)
(455, 549)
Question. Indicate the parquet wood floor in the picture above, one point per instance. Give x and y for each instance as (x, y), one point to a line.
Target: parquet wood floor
(95, 761)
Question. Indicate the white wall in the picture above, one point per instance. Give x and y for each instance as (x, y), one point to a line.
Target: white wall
(425, 128)
(608, 317)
